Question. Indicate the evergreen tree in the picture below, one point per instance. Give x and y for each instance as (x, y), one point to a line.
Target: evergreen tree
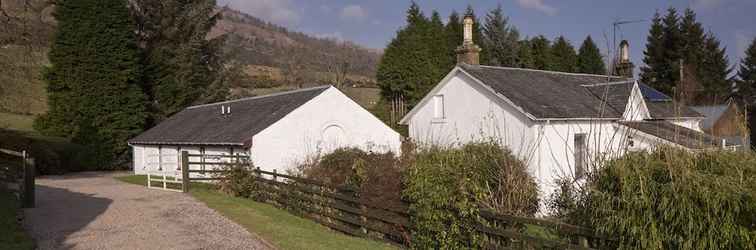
(525, 55)
(183, 67)
(589, 58)
(501, 39)
(407, 68)
(713, 72)
(541, 50)
(659, 71)
(563, 57)
(747, 76)
(454, 33)
(438, 46)
(692, 35)
(93, 90)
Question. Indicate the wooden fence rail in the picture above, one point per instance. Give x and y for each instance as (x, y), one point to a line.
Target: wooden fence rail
(18, 176)
(342, 209)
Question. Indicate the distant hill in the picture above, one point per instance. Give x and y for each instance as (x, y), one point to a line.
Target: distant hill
(271, 57)
(271, 52)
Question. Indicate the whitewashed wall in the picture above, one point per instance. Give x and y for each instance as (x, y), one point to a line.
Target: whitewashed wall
(326, 122)
(166, 158)
(471, 113)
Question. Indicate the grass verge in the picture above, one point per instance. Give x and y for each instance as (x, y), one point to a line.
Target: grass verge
(12, 235)
(279, 227)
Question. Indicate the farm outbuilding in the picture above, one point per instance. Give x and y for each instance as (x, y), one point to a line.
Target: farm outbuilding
(278, 131)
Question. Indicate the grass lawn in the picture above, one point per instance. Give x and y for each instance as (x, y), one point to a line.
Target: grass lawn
(16, 121)
(279, 227)
(12, 235)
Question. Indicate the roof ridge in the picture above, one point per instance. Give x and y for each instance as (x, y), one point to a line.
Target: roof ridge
(544, 71)
(262, 96)
(607, 83)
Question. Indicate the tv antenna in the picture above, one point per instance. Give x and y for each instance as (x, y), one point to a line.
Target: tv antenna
(616, 25)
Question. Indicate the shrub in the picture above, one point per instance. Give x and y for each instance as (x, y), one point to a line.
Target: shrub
(238, 180)
(674, 199)
(447, 186)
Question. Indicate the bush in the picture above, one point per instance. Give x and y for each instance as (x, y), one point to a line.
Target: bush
(238, 180)
(448, 186)
(377, 178)
(52, 155)
(674, 199)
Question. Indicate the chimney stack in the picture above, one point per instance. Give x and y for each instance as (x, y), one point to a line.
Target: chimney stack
(468, 52)
(623, 66)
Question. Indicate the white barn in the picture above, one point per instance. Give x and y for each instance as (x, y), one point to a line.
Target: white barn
(558, 123)
(278, 131)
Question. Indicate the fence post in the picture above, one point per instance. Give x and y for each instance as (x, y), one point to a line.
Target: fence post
(184, 171)
(363, 219)
(583, 241)
(28, 181)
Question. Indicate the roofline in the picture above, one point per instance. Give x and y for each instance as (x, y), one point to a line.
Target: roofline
(665, 139)
(131, 143)
(549, 71)
(608, 83)
(262, 96)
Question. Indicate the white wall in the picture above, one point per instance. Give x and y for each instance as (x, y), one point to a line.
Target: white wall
(472, 114)
(326, 122)
(166, 158)
(691, 123)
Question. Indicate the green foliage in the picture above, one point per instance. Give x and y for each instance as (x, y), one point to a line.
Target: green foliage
(413, 62)
(525, 55)
(94, 96)
(540, 48)
(12, 234)
(673, 38)
(501, 39)
(675, 199)
(589, 58)
(239, 181)
(747, 74)
(447, 187)
(563, 56)
(183, 66)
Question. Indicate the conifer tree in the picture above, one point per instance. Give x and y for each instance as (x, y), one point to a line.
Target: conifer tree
(747, 75)
(541, 50)
(713, 72)
(563, 56)
(658, 71)
(525, 55)
(183, 67)
(407, 68)
(453, 31)
(501, 39)
(93, 90)
(589, 58)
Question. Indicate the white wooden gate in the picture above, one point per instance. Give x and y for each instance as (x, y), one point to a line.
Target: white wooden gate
(164, 178)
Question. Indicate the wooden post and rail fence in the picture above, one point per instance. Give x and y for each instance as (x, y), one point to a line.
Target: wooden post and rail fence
(341, 209)
(17, 175)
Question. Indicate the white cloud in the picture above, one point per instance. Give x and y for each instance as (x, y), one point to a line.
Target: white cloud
(538, 5)
(701, 5)
(354, 12)
(276, 11)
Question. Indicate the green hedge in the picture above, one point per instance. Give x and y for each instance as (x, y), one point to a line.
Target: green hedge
(447, 186)
(674, 199)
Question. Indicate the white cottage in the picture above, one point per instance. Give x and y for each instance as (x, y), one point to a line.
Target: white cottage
(278, 131)
(558, 123)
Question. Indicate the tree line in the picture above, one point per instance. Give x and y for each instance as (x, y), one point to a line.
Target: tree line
(422, 52)
(118, 67)
(681, 58)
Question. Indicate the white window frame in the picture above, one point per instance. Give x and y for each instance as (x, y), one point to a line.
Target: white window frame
(439, 109)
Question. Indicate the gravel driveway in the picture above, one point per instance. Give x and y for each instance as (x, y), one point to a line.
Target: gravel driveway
(94, 211)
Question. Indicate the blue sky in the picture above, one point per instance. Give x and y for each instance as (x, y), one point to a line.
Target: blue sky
(374, 23)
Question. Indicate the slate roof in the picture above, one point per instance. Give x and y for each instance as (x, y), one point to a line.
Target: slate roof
(205, 125)
(558, 95)
(677, 134)
(546, 94)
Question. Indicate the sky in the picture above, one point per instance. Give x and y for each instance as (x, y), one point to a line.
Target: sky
(374, 23)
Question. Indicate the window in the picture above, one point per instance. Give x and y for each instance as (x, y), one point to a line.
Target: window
(438, 107)
(580, 155)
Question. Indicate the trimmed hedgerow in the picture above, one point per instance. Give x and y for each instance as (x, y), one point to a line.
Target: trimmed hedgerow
(673, 199)
(447, 186)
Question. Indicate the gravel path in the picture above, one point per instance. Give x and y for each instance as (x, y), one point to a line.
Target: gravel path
(94, 211)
